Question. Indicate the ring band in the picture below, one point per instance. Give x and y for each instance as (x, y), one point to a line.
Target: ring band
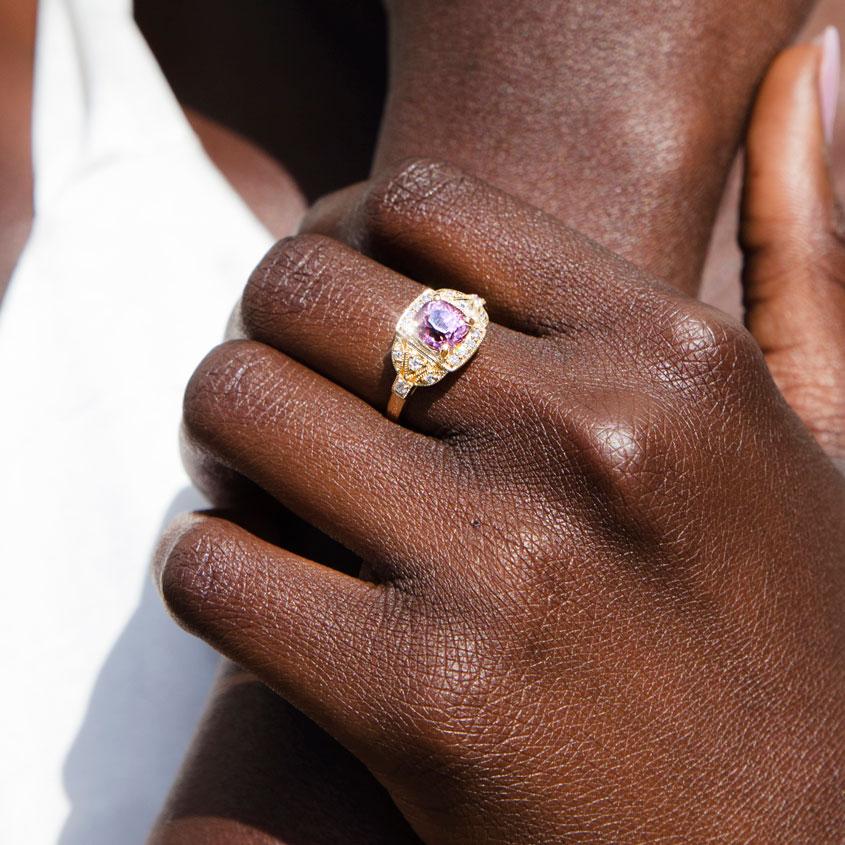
(437, 334)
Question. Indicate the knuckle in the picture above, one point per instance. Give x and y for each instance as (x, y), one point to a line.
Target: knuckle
(626, 452)
(602, 438)
(231, 383)
(616, 447)
(412, 192)
(708, 351)
(290, 278)
(623, 441)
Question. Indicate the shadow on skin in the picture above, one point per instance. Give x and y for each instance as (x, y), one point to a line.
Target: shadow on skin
(135, 733)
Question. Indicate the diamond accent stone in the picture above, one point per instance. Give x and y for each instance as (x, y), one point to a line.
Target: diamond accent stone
(401, 388)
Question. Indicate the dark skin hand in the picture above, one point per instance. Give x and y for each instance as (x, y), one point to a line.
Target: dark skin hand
(628, 626)
(18, 171)
(184, 813)
(16, 201)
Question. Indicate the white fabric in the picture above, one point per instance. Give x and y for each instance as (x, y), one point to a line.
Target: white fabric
(138, 252)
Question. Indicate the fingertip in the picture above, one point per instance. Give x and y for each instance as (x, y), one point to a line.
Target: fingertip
(787, 114)
(168, 542)
(190, 543)
(297, 625)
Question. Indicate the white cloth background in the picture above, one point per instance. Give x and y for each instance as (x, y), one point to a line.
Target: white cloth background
(138, 252)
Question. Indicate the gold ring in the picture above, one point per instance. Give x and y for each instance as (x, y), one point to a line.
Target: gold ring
(436, 335)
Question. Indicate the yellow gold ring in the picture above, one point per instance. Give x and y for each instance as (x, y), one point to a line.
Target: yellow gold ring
(437, 334)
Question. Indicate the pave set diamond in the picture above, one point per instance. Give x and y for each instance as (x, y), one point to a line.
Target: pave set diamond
(436, 334)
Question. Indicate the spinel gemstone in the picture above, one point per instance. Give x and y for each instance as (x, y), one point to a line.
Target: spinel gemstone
(440, 325)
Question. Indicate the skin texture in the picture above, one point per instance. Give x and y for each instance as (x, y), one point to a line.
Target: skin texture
(259, 772)
(16, 194)
(17, 170)
(613, 622)
(625, 219)
(619, 113)
(651, 627)
(16, 199)
(622, 120)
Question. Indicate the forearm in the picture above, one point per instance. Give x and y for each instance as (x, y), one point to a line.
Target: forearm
(620, 118)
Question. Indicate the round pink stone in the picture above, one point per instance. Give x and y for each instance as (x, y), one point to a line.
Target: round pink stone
(441, 325)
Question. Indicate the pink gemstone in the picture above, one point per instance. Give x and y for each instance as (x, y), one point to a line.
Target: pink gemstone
(441, 325)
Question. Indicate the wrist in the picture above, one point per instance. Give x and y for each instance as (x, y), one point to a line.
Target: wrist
(558, 124)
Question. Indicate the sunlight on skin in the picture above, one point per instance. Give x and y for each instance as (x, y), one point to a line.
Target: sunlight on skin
(247, 171)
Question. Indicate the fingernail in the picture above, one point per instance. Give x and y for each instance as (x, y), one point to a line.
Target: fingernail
(829, 73)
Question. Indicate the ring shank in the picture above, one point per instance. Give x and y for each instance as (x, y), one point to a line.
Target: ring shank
(394, 407)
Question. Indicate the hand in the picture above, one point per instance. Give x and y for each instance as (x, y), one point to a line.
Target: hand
(636, 172)
(591, 580)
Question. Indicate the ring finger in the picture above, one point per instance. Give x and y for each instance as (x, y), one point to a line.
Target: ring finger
(335, 310)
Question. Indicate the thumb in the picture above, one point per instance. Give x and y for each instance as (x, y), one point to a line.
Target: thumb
(794, 273)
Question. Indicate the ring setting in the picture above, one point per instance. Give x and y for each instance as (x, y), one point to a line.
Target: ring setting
(437, 334)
